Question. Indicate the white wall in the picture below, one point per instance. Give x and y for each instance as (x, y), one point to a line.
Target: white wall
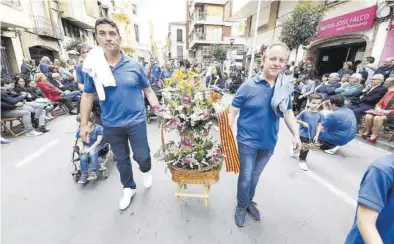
(380, 41)
(175, 44)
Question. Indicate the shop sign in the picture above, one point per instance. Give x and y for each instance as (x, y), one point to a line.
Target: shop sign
(359, 20)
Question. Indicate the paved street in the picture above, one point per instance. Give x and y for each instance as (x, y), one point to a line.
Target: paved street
(41, 204)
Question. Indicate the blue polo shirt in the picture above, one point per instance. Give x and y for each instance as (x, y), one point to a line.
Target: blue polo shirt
(124, 104)
(313, 119)
(339, 127)
(258, 125)
(377, 193)
(167, 73)
(79, 73)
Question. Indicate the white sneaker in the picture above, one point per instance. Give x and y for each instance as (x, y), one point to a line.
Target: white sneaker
(333, 150)
(148, 179)
(33, 133)
(303, 165)
(125, 201)
(293, 153)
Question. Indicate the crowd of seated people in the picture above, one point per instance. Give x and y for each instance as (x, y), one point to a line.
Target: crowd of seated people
(32, 95)
(367, 91)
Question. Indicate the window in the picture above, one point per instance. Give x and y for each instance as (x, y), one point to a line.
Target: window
(179, 35)
(137, 33)
(179, 52)
(134, 9)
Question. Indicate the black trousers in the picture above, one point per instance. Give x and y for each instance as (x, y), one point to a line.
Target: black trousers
(323, 146)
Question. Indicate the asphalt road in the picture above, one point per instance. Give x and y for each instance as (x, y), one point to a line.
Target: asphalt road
(41, 204)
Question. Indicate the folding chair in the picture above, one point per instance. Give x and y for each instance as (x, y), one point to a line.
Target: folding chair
(10, 128)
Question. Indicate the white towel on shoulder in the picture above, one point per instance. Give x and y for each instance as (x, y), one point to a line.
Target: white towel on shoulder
(96, 66)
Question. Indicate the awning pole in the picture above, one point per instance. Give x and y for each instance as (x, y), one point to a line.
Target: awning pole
(254, 40)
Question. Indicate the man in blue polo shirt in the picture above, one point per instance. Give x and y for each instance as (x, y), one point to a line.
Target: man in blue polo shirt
(374, 221)
(258, 127)
(80, 76)
(123, 110)
(339, 126)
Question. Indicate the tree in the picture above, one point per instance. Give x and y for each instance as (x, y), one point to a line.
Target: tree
(74, 44)
(219, 53)
(301, 25)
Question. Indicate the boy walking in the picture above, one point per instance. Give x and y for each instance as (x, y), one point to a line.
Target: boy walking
(310, 126)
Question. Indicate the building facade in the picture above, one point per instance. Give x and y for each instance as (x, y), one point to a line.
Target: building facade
(130, 15)
(33, 29)
(207, 25)
(350, 31)
(177, 41)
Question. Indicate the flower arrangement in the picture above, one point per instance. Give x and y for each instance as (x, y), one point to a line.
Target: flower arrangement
(190, 110)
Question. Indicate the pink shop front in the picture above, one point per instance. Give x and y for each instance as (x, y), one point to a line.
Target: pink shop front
(343, 38)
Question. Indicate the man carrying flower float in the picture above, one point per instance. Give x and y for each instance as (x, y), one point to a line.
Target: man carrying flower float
(260, 102)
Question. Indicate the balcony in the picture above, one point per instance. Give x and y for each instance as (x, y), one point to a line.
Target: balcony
(204, 18)
(218, 2)
(202, 38)
(43, 27)
(13, 14)
(75, 11)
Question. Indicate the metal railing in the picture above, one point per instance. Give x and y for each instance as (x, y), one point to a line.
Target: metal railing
(201, 16)
(43, 27)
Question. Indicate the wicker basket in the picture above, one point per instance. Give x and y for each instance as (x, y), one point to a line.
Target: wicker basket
(182, 176)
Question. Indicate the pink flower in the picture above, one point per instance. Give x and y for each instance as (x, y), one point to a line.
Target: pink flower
(205, 133)
(173, 123)
(186, 143)
(188, 161)
(217, 154)
(206, 115)
(186, 100)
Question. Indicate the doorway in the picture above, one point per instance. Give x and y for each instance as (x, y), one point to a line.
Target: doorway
(330, 59)
(37, 52)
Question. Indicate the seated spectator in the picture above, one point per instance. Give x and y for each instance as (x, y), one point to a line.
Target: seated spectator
(38, 96)
(304, 89)
(362, 71)
(44, 65)
(328, 88)
(64, 71)
(33, 101)
(339, 126)
(369, 98)
(375, 211)
(369, 67)
(298, 69)
(70, 89)
(387, 68)
(352, 90)
(345, 79)
(12, 106)
(53, 93)
(309, 71)
(384, 111)
(347, 69)
(26, 69)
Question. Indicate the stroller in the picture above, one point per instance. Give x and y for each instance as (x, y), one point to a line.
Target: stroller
(103, 171)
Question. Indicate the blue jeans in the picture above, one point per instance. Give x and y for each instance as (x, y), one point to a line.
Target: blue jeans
(252, 162)
(94, 160)
(119, 138)
(75, 95)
